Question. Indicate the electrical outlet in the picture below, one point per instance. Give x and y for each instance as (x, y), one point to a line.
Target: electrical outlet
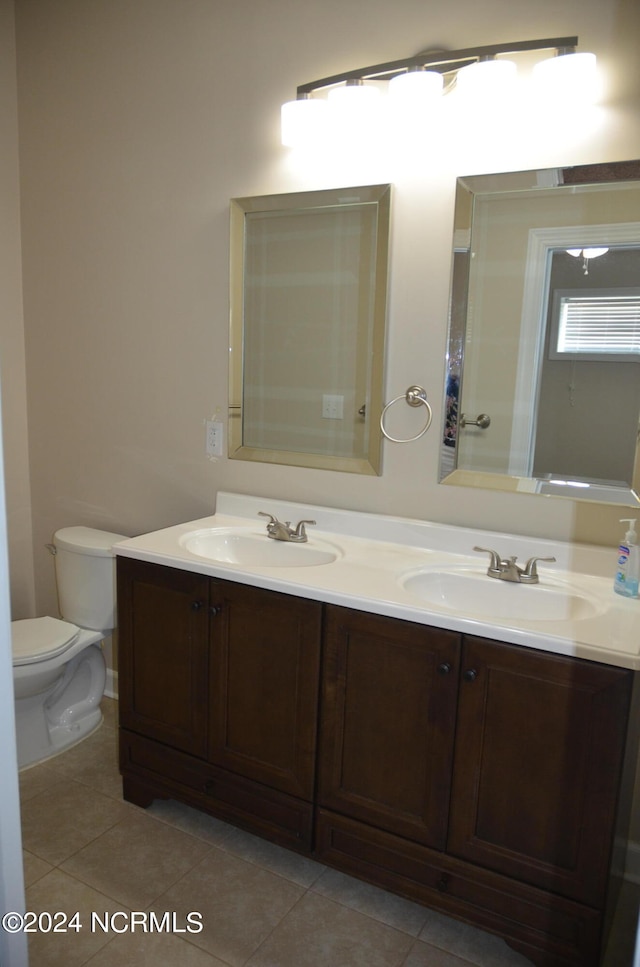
(332, 407)
(213, 442)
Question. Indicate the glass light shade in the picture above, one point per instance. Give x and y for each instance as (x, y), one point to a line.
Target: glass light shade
(587, 253)
(303, 121)
(568, 76)
(416, 88)
(486, 77)
(353, 113)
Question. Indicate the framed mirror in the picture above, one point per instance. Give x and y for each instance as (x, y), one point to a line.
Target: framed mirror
(542, 388)
(307, 334)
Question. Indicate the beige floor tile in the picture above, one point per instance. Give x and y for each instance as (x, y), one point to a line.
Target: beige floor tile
(379, 904)
(93, 762)
(34, 867)
(240, 904)
(321, 933)
(58, 892)
(470, 944)
(285, 862)
(192, 821)
(293, 866)
(36, 779)
(424, 955)
(109, 708)
(152, 950)
(60, 821)
(136, 860)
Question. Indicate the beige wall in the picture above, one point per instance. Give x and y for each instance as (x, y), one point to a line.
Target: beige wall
(12, 354)
(139, 120)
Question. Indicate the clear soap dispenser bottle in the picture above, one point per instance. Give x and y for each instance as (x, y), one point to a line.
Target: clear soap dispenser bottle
(628, 566)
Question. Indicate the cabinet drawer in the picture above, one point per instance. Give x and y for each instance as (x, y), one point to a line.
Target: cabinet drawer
(267, 812)
(551, 930)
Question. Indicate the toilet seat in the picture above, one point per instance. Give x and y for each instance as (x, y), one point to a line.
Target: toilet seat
(36, 639)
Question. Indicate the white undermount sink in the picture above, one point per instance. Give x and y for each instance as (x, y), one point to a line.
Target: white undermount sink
(468, 590)
(245, 548)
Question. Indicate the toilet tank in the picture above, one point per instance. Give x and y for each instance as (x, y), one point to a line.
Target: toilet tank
(85, 575)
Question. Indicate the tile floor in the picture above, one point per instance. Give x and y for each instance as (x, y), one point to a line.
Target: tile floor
(87, 850)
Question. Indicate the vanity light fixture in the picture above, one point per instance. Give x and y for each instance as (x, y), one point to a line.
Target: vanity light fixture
(569, 75)
(417, 83)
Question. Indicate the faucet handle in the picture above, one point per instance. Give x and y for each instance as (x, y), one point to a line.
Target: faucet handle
(496, 562)
(274, 524)
(530, 573)
(300, 532)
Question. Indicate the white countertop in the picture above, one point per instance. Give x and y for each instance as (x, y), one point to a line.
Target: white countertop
(376, 551)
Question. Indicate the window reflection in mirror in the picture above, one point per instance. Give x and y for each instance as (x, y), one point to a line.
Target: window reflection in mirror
(560, 423)
(308, 308)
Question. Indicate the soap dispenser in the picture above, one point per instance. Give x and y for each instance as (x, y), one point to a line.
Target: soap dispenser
(628, 566)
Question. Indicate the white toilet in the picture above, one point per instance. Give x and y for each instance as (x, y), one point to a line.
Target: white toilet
(58, 667)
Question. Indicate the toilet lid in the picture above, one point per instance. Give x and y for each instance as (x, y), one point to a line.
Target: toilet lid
(34, 639)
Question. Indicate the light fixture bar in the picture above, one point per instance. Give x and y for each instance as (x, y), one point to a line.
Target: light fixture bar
(441, 61)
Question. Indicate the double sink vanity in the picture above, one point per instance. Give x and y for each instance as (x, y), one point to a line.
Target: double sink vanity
(372, 697)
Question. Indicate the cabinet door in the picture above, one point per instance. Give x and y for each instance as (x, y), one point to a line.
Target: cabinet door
(537, 764)
(163, 654)
(388, 723)
(264, 686)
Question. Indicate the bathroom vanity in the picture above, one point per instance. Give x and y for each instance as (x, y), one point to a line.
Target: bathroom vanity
(482, 765)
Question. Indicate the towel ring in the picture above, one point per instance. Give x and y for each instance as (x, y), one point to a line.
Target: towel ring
(414, 396)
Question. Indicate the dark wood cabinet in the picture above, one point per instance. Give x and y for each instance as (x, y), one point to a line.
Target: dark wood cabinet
(483, 779)
(163, 667)
(264, 683)
(219, 687)
(478, 777)
(388, 723)
(537, 765)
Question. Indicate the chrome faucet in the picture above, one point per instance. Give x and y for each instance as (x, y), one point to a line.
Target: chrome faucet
(285, 532)
(508, 570)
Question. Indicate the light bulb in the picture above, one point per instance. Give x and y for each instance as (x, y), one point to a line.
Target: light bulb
(486, 78)
(353, 112)
(587, 253)
(303, 121)
(569, 77)
(416, 88)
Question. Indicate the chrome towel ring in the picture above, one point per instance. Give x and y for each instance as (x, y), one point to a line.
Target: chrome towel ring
(414, 396)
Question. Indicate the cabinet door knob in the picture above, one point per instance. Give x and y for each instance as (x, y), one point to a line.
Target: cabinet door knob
(196, 605)
(444, 668)
(215, 609)
(470, 675)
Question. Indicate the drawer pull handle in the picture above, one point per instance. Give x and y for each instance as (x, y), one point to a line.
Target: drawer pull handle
(443, 883)
(470, 675)
(444, 668)
(209, 787)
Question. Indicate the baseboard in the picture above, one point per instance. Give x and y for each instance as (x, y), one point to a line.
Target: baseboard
(111, 686)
